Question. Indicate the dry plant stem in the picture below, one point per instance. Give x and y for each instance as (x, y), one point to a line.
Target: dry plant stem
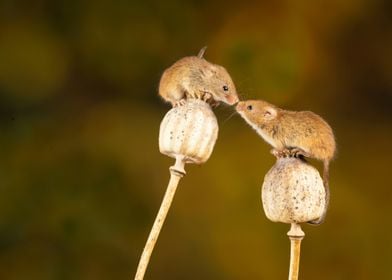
(176, 173)
(296, 235)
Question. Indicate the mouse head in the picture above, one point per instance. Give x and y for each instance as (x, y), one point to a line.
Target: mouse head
(257, 111)
(221, 85)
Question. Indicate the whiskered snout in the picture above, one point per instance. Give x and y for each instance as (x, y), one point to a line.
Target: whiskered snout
(232, 99)
(241, 105)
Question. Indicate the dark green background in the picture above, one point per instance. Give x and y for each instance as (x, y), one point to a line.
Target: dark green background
(81, 176)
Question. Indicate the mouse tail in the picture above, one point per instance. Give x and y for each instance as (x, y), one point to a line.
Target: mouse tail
(326, 189)
(201, 52)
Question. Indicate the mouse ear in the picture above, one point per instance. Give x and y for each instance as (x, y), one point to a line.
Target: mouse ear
(270, 113)
(201, 52)
(209, 72)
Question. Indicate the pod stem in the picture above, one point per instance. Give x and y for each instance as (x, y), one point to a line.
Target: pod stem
(296, 235)
(176, 173)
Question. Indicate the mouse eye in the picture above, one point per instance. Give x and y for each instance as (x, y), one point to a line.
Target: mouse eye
(249, 107)
(225, 88)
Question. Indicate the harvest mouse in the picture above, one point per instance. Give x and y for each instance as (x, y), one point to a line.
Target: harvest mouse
(291, 133)
(195, 77)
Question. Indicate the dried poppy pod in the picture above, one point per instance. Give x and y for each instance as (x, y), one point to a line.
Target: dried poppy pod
(293, 192)
(189, 131)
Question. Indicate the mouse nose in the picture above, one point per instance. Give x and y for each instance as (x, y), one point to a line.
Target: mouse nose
(232, 100)
(240, 106)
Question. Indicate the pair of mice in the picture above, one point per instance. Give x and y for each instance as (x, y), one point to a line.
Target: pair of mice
(302, 134)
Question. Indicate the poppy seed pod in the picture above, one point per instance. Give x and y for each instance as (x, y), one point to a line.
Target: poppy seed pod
(189, 131)
(293, 192)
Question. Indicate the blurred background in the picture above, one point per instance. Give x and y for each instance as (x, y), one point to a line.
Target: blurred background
(81, 176)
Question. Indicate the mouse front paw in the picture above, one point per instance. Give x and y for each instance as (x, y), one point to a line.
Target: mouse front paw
(179, 103)
(206, 96)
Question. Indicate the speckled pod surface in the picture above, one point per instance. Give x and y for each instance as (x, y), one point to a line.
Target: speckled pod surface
(190, 131)
(293, 192)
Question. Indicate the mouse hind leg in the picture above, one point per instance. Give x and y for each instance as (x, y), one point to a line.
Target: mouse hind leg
(178, 95)
(280, 153)
(290, 152)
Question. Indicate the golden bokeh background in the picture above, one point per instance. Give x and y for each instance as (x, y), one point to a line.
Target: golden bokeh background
(81, 176)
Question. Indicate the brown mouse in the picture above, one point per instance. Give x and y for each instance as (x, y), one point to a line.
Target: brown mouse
(195, 77)
(291, 133)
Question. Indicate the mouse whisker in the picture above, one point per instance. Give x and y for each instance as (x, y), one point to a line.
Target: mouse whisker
(229, 117)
